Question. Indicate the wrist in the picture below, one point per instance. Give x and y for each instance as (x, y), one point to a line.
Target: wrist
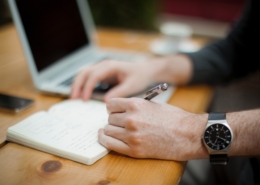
(231, 122)
(198, 123)
(201, 150)
(176, 69)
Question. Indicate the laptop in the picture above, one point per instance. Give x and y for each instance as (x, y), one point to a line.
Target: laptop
(58, 39)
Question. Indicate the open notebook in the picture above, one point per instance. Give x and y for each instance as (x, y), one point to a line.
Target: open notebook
(67, 129)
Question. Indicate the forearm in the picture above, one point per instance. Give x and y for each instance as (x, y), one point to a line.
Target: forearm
(246, 128)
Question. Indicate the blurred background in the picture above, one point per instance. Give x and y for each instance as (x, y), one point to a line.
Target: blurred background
(206, 17)
(5, 16)
(211, 18)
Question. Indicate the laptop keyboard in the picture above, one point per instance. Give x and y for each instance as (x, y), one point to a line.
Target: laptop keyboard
(69, 81)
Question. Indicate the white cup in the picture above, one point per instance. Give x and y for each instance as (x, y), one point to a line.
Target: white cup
(174, 33)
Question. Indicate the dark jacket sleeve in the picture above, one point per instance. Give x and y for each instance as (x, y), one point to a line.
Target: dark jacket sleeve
(232, 57)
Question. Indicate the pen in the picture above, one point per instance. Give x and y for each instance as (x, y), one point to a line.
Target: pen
(155, 91)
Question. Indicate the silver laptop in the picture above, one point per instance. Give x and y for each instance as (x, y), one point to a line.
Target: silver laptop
(57, 37)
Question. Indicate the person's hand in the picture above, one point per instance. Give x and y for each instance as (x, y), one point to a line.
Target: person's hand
(131, 78)
(147, 129)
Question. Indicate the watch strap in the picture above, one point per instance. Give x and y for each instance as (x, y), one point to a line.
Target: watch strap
(219, 159)
(217, 116)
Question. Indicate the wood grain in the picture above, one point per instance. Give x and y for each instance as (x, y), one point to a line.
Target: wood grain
(23, 165)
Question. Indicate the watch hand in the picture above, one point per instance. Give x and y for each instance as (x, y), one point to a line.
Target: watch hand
(222, 138)
(216, 140)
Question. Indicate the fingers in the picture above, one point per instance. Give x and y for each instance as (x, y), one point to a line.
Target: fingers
(116, 105)
(78, 82)
(117, 119)
(116, 132)
(121, 90)
(94, 77)
(85, 82)
(112, 143)
(127, 74)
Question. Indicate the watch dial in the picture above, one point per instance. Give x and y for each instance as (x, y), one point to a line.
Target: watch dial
(217, 136)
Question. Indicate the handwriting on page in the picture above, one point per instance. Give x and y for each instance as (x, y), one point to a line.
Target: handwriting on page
(92, 112)
(59, 133)
(46, 124)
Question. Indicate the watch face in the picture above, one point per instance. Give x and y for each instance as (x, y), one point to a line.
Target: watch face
(217, 136)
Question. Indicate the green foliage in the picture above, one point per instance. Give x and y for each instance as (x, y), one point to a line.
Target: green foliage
(132, 14)
(5, 16)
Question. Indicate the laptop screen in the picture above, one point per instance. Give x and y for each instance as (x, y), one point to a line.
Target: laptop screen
(54, 29)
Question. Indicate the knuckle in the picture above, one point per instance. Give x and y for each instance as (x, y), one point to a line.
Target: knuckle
(134, 139)
(133, 105)
(131, 123)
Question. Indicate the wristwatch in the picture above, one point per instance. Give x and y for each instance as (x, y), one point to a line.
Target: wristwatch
(217, 138)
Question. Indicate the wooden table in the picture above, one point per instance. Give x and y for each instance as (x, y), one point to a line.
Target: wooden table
(22, 165)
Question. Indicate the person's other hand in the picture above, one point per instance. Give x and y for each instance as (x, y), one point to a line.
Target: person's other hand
(131, 78)
(147, 129)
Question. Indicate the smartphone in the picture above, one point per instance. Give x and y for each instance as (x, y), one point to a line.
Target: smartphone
(14, 104)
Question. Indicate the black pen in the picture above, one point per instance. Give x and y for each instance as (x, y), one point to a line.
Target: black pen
(155, 91)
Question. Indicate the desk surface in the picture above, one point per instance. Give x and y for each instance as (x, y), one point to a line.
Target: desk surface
(22, 165)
